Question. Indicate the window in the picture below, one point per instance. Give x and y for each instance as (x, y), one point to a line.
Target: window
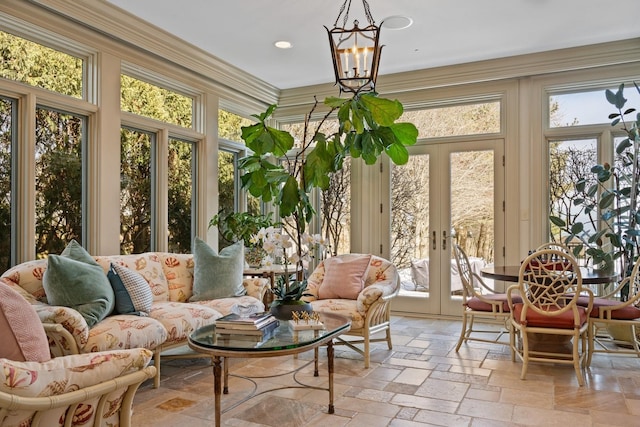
(569, 162)
(572, 152)
(459, 120)
(148, 100)
(59, 180)
(161, 128)
(585, 108)
(7, 126)
(181, 190)
(136, 189)
(231, 197)
(40, 66)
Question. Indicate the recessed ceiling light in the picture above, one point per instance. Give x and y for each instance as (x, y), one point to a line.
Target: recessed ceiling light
(283, 44)
(397, 22)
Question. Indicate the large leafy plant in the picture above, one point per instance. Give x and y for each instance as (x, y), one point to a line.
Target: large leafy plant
(236, 226)
(276, 173)
(616, 237)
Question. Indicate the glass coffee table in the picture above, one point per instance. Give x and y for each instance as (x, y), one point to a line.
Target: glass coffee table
(282, 341)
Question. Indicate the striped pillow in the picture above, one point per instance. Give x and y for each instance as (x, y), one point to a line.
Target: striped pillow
(133, 293)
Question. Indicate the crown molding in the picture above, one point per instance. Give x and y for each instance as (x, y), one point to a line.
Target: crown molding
(117, 24)
(568, 59)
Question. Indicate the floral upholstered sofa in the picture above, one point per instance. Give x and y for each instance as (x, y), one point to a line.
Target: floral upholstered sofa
(169, 322)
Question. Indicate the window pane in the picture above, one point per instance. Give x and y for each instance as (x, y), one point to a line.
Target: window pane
(226, 181)
(7, 108)
(586, 108)
(37, 65)
(135, 191)
(229, 126)
(335, 210)
(569, 162)
(410, 211)
(472, 202)
(455, 121)
(181, 162)
(151, 101)
(59, 180)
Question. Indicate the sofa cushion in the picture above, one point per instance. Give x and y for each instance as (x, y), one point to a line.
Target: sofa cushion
(21, 332)
(132, 293)
(148, 265)
(123, 331)
(181, 319)
(343, 277)
(73, 279)
(217, 275)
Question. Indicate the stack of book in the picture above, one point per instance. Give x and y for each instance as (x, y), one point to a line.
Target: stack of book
(256, 326)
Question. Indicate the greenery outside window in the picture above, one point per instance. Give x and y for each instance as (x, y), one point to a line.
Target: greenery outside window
(181, 203)
(40, 66)
(137, 152)
(59, 164)
(7, 134)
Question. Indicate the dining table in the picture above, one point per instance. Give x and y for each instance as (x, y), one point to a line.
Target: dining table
(511, 273)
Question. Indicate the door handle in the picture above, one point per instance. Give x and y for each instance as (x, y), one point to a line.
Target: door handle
(433, 241)
(444, 240)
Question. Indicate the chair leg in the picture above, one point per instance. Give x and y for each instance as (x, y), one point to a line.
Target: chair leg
(156, 363)
(591, 338)
(576, 360)
(389, 344)
(512, 342)
(366, 349)
(525, 354)
(463, 332)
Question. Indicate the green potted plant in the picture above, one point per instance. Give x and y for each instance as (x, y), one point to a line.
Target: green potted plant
(615, 243)
(367, 128)
(237, 226)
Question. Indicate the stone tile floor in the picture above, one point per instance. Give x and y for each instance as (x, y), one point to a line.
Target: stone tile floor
(422, 381)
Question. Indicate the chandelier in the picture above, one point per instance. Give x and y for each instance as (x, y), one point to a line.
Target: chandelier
(355, 52)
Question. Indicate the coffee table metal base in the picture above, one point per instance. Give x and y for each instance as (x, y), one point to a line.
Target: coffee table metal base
(221, 381)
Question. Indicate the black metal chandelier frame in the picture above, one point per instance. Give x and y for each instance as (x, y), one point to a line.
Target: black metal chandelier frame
(355, 52)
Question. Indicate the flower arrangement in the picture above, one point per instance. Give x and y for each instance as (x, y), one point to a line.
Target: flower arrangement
(278, 245)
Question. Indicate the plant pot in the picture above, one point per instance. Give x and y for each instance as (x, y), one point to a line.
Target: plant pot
(282, 310)
(253, 256)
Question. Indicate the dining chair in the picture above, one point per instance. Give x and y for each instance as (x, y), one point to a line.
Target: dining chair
(615, 323)
(549, 284)
(481, 302)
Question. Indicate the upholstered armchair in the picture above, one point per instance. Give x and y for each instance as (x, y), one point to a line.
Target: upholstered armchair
(360, 287)
(94, 389)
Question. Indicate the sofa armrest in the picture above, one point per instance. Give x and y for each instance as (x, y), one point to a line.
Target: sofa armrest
(96, 386)
(383, 290)
(58, 319)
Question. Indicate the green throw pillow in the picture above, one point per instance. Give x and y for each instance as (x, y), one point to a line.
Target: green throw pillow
(74, 279)
(217, 275)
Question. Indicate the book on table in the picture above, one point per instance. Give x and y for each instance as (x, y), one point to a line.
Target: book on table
(257, 333)
(254, 322)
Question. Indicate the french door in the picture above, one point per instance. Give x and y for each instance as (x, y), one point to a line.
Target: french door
(448, 193)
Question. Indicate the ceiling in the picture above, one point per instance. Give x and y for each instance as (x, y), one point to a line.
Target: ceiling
(243, 32)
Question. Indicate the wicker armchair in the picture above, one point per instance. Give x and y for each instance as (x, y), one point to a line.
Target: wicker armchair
(367, 303)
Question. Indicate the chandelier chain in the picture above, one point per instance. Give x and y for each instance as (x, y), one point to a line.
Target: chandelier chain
(347, 5)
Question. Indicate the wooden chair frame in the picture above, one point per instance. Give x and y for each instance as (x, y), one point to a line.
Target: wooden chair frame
(474, 287)
(550, 284)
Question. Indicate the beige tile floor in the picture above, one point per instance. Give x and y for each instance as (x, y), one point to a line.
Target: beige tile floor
(422, 381)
